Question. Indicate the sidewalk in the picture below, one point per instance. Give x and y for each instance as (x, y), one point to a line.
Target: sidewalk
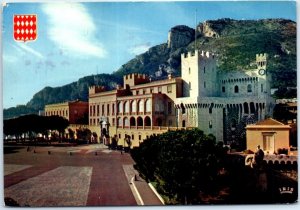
(144, 194)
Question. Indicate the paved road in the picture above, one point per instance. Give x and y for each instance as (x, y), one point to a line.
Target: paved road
(71, 176)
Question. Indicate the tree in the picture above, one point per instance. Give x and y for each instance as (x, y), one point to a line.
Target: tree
(183, 163)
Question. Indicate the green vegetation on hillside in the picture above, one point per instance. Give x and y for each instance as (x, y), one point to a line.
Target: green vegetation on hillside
(236, 46)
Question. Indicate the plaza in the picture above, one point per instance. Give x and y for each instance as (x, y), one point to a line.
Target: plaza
(87, 175)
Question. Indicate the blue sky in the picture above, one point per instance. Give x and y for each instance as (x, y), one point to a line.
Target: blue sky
(81, 39)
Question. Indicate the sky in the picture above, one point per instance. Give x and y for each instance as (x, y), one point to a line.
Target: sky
(81, 39)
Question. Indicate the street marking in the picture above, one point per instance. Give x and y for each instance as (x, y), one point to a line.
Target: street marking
(12, 168)
(63, 186)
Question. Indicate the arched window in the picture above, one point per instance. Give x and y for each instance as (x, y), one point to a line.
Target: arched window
(147, 121)
(126, 107)
(132, 121)
(119, 122)
(249, 88)
(120, 107)
(139, 121)
(236, 89)
(141, 106)
(148, 105)
(133, 106)
(126, 122)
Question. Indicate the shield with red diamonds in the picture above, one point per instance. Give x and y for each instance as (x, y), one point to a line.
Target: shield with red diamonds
(25, 27)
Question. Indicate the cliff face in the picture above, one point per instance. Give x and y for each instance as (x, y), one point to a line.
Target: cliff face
(236, 42)
(180, 36)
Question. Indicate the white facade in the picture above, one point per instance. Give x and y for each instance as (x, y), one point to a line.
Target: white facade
(222, 103)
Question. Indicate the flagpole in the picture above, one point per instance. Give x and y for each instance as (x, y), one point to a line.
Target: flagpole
(195, 28)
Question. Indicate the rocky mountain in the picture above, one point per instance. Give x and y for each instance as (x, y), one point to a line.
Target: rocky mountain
(236, 42)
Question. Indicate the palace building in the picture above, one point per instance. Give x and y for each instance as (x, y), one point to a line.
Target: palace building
(223, 103)
(137, 110)
(217, 102)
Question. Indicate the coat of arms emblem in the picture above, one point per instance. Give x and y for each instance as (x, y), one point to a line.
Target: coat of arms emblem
(25, 27)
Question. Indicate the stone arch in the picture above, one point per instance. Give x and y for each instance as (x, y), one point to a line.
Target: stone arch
(132, 121)
(147, 121)
(139, 121)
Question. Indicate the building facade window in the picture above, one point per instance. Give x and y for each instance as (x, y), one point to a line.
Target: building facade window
(223, 89)
(190, 85)
(169, 89)
(107, 109)
(113, 109)
(210, 124)
(204, 84)
(133, 106)
(262, 88)
(141, 106)
(249, 88)
(159, 89)
(148, 105)
(204, 69)
(120, 107)
(236, 89)
(126, 107)
(189, 70)
(183, 123)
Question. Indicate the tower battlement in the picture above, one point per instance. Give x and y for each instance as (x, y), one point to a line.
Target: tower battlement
(135, 79)
(200, 54)
(261, 60)
(96, 89)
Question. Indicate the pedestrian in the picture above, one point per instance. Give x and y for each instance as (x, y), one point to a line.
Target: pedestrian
(135, 177)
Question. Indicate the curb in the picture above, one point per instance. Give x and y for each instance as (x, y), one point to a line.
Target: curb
(137, 192)
(156, 193)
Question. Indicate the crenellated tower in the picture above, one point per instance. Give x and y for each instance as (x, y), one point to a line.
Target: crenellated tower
(199, 74)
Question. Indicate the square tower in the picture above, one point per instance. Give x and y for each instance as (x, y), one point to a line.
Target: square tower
(199, 74)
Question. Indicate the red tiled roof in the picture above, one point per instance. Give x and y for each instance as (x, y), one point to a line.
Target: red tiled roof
(269, 121)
